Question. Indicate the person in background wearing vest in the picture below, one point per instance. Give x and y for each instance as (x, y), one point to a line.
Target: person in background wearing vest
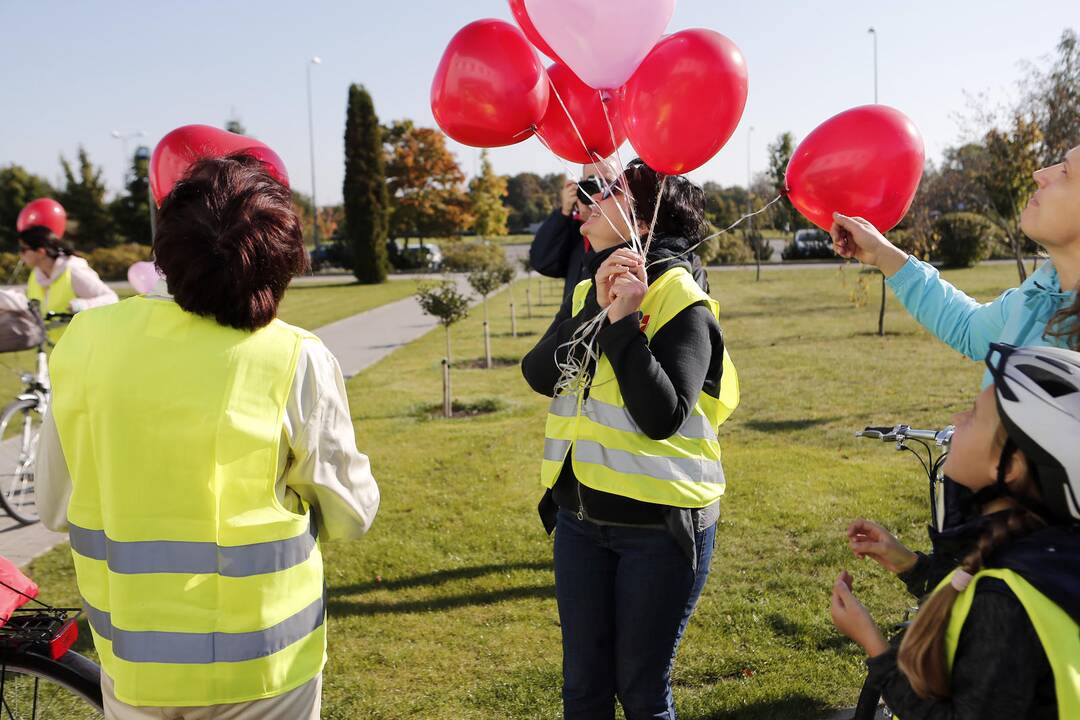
(199, 452)
(998, 638)
(60, 281)
(631, 458)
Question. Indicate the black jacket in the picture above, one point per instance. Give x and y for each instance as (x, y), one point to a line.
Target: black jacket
(1001, 671)
(660, 383)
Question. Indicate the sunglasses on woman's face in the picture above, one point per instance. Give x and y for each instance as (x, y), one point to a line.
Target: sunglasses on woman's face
(609, 191)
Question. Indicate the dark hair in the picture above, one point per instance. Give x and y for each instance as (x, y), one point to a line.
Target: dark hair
(39, 237)
(682, 207)
(1066, 324)
(228, 241)
(922, 657)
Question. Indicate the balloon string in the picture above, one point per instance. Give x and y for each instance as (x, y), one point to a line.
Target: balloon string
(570, 172)
(655, 215)
(729, 228)
(622, 176)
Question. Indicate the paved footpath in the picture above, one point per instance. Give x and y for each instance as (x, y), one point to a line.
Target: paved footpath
(358, 342)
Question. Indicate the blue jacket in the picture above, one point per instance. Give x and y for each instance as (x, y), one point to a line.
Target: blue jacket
(1018, 316)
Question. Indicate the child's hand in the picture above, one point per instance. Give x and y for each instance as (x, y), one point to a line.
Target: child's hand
(870, 540)
(852, 619)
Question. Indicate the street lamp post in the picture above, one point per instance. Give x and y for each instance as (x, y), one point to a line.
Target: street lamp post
(881, 310)
(873, 32)
(750, 201)
(316, 60)
(123, 138)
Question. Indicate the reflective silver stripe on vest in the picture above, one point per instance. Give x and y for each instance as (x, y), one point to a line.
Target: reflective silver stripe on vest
(563, 406)
(202, 648)
(171, 556)
(696, 427)
(555, 450)
(660, 468)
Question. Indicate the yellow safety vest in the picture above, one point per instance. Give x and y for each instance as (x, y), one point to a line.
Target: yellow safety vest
(201, 588)
(610, 451)
(1057, 631)
(55, 298)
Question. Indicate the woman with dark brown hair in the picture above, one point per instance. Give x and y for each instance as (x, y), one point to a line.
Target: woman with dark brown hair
(199, 451)
(998, 638)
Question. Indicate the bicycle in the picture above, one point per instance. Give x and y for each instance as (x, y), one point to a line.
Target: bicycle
(943, 509)
(28, 408)
(41, 677)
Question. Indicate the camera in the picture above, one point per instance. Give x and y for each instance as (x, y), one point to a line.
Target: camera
(587, 188)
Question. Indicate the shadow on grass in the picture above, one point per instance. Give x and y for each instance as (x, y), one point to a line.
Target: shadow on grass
(786, 311)
(336, 605)
(820, 640)
(798, 706)
(321, 286)
(768, 426)
(888, 333)
(440, 577)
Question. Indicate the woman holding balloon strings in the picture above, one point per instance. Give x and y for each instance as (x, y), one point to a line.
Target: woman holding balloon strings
(631, 459)
(60, 281)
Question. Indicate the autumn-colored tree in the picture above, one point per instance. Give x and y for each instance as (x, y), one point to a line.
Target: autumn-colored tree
(486, 193)
(427, 195)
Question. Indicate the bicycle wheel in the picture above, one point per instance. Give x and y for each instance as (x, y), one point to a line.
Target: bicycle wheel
(36, 687)
(19, 453)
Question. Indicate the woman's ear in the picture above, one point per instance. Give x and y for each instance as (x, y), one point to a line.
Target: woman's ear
(1017, 472)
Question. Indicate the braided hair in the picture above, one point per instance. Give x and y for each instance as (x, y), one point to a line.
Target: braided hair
(922, 656)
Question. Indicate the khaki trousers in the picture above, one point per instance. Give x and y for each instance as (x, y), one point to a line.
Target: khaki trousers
(303, 703)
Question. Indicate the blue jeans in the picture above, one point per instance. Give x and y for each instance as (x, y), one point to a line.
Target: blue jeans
(625, 596)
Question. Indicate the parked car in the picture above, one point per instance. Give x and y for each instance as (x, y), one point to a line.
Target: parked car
(421, 256)
(812, 244)
(333, 254)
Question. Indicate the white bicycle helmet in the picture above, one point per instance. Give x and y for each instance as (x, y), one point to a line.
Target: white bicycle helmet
(1038, 397)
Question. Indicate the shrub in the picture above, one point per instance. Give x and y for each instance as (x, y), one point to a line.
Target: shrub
(112, 263)
(460, 256)
(966, 239)
(726, 249)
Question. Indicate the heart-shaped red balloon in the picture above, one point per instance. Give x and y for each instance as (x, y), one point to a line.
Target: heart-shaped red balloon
(521, 16)
(43, 211)
(490, 88)
(176, 152)
(865, 162)
(685, 100)
(587, 112)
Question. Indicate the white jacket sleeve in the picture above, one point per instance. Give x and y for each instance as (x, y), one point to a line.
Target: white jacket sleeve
(324, 467)
(90, 290)
(52, 479)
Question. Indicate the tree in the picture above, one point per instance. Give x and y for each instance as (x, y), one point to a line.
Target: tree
(1054, 99)
(443, 301)
(724, 205)
(486, 280)
(528, 200)
(83, 197)
(365, 193)
(785, 216)
(131, 211)
(1012, 156)
(486, 193)
(427, 195)
(17, 188)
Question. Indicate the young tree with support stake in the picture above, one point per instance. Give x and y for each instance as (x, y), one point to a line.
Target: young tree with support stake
(443, 301)
(486, 280)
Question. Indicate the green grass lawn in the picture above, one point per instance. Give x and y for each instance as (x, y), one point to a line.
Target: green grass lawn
(446, 609)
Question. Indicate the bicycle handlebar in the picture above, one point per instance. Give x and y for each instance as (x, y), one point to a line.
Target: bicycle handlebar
(899, 433)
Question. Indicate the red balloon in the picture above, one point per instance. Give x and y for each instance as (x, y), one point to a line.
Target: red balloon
(685, 100)
(865, 162)
(490, 88)
(587, 111)
(176, 152)
(521, 15)
(43, 211)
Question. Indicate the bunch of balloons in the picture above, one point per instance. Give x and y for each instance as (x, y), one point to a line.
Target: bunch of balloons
(677, 98)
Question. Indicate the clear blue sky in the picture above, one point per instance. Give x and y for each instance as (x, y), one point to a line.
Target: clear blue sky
(71, 72)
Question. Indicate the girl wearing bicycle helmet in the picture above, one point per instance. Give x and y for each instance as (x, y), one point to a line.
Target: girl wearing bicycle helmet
(61, 281)
(1044, 310)
(998, 638)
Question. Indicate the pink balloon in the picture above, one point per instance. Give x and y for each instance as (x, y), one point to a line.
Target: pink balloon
(602, 41)
(143, 276)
